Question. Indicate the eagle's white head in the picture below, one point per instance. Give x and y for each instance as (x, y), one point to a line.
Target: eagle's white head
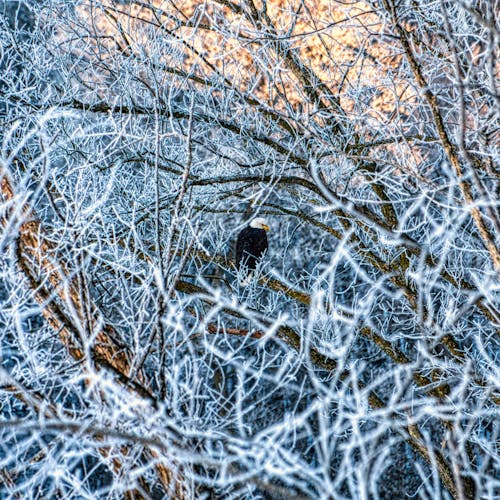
(260, 223)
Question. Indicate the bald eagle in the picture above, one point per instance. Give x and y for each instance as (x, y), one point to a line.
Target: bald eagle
(250, 247)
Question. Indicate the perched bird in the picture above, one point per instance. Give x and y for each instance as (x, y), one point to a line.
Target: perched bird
(250, 247)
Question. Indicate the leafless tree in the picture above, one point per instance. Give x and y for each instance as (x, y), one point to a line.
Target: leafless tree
(138, 137)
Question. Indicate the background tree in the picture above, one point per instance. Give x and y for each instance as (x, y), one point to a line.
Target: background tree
(138, 138)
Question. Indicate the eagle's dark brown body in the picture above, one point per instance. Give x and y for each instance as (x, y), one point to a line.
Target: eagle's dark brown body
(250, 246)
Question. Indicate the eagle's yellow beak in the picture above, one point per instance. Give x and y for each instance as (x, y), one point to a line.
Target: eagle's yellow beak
(265, 227)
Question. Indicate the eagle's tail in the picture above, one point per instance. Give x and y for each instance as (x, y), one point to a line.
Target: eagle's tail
(246, 280)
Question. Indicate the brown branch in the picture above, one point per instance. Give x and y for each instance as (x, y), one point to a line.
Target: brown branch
(412, 432)
(214, 329)
(54, 289)
(449, 148)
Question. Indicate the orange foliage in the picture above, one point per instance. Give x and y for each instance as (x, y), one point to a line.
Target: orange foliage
(245, 47)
